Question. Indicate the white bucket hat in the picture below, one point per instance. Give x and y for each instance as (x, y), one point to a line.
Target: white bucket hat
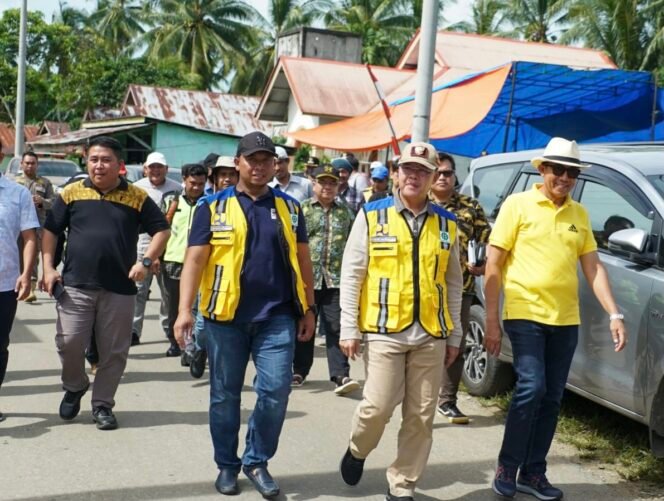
(560, 151)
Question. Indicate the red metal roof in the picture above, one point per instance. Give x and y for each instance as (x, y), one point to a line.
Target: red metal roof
(7, 135)
(52, 128)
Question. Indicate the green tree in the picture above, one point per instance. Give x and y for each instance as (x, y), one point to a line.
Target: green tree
(488, 17)
(386, 27)
(283, 15)
(118, 22)
(536, 20)
(208, 36)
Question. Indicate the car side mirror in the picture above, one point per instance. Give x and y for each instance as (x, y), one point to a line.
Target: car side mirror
(629, 240)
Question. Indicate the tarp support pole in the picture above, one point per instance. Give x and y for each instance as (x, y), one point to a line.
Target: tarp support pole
(653, 117)
(508, 119)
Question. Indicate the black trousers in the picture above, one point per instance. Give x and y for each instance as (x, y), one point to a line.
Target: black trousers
(329, 316)
(172, 300)
(8, 302)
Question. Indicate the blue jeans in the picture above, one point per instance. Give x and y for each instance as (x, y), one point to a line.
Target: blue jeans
(229, 345)
(199, 326)
(542, 359)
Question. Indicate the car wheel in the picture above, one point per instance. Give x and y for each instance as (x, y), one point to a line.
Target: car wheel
(483, 375)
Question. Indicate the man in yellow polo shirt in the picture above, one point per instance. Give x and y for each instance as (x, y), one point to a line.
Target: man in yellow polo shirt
(537, 240)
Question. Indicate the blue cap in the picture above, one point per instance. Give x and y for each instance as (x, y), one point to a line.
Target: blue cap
(381, 173)
(342, 163)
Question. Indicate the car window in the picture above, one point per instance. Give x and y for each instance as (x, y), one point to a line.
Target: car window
(489, 184)
(526, 181)
(57, 169)
(610, 211)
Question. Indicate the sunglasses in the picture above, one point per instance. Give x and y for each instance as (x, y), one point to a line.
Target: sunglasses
(445, 173)
(558, 170)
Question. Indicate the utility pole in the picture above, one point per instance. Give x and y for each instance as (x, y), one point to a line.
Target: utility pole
(425, 62)
(19, 138)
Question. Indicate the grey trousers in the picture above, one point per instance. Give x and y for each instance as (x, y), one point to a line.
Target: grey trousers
(142, 298)
(452, 375)
(109, 314)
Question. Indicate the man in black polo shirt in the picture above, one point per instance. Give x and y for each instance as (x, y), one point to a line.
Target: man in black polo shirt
(102, 214)
(249, 246)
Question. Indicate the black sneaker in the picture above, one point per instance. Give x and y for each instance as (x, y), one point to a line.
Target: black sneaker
(392, 497)
(197, 366)
(351, 468)
(345, 385)
(185, 358)
(173, 350)
(2, 417)
(104, 418)
(135, 340)
(452, 413)
(71, 403)
(537, 485)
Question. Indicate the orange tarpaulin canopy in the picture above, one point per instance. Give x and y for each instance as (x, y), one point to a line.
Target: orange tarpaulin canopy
(454, 111)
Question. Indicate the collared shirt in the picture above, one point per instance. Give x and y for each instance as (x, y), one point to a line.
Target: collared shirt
(17, 214)
(472, 225)
(300, 188)
(353, 195)
(102, 233)
(265, 289)
(156, 193)
(353, 272)
(44, 188)
(328, 231)
(544, 243)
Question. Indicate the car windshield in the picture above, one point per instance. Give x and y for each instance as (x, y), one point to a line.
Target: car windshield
(55, 168)
(658, 183)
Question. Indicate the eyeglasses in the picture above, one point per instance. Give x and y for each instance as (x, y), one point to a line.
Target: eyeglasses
(558, 170)
(445, 173)
(414, 171)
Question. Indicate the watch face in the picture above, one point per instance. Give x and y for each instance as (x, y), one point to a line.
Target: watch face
(147, 262)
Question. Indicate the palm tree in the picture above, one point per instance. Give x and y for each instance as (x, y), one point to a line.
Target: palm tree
(251, 76)
(76, 19)
(209, 36)
(535, 20)
(488, 18)
(119, 22)
(385, 26)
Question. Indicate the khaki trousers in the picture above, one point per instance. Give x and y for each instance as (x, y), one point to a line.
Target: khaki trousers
(110, 314)
(407, 375)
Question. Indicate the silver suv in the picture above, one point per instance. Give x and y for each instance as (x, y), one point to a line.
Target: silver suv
(57, 170)
(623, 191)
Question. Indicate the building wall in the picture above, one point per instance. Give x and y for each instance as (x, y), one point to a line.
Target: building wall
(321, 44)
(183, 145)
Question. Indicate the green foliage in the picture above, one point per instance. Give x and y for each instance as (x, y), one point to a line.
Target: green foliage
(301, 156)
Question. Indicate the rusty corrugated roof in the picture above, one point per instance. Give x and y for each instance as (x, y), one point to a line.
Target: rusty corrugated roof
(52, 128)
(223, 113)
(7, 135)
(80, 136)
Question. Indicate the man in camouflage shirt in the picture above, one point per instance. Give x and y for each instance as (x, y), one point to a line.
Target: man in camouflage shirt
(472, 225)
(328, 221)
(42, 193)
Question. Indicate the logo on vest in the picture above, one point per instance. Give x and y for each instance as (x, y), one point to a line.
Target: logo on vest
(572, 228)
(294, 220)
(445, 237)
(381, 229)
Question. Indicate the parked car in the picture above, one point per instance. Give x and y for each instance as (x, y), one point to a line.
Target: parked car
(135, 173)
(57, 170)
(623, 191)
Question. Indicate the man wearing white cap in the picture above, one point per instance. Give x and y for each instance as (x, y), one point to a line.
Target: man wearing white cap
(538, 239)
(401, 287)
(156, 184)
(300, 188)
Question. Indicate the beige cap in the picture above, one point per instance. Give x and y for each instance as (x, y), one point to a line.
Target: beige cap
(225, 162)
(420, 153)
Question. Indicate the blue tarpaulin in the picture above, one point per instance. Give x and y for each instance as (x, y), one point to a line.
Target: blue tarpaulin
(539, 101)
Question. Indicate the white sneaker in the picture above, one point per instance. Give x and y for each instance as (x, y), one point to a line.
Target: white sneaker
(346, 385)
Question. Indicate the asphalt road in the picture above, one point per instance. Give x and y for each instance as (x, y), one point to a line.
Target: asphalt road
(162, 449)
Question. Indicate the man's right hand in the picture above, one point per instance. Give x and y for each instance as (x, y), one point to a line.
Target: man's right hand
(48, 280)
(492, 337)
(350, 348)
(183, 328)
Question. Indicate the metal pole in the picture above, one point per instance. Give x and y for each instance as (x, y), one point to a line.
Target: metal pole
(19, 138)
(653, 116)
(508, 119)
(425, 62)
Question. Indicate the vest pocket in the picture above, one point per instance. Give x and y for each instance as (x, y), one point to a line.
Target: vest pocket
(385, 306)
(218, 291)
(439, 305)
(222, 238)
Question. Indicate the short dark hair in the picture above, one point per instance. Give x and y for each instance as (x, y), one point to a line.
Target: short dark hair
(107, 142)
(210, 160)
(442, 156)
(193, 170)
(29, 154)
(353, 161)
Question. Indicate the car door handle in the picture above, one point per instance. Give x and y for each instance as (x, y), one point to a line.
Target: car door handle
(656, 315)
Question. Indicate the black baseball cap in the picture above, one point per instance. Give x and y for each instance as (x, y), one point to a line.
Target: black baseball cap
(326, 170)
(253, 143)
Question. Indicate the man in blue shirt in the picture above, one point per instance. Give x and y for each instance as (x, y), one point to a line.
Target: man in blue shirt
(18, 217)
(248, 251)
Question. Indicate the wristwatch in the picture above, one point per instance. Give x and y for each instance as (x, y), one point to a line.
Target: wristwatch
(616, 316)
(314, 309)
(147, 262)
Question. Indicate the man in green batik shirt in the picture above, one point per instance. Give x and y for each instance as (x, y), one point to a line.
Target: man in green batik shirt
(328, 221)
(472, 225)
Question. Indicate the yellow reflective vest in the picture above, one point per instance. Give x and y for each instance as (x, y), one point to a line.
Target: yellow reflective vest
(220, 285)
(405, 278)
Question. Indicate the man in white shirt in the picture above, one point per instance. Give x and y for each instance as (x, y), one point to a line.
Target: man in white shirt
(156, 184)
(297, 187)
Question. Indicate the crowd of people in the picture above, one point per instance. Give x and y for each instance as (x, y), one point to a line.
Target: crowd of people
(251, 260)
